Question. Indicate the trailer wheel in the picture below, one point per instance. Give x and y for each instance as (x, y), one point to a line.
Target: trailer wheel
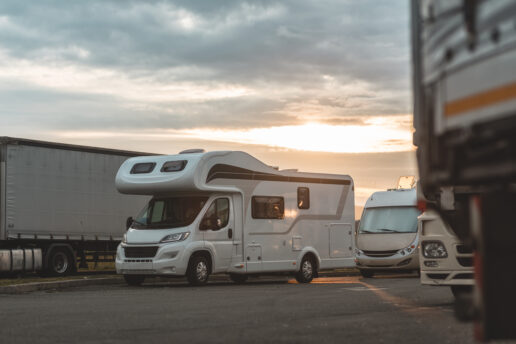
(307, 271)
(60, 262)
(198, 270)
(238, 278)
(367, 273)
(134, 280)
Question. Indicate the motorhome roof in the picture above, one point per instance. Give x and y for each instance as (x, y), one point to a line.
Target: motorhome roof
(201, 171)
(393, 198)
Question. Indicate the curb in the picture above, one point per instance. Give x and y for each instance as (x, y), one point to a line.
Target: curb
(40, 286)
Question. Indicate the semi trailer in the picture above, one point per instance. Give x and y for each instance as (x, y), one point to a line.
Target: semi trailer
(59, 205)
(464, 85)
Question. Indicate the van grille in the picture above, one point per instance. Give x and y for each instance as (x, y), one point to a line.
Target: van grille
(380, 253)
(140, 251)
(463, 249)
(465, 261)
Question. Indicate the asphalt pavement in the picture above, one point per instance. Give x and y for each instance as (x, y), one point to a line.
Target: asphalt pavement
(384, 309)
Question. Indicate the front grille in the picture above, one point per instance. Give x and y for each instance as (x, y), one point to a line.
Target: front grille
(380, 253)
(437, 276)
(463, 249)
(140, 251)
(464, 276)
(465, 261)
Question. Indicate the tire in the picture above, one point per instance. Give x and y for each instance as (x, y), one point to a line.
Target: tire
(134, 280)
(367, 273)
(198, 270)
(238, 279)
(60, 262)
(306, 272)
(460, 290)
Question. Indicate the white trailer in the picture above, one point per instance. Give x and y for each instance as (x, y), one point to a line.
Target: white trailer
(227, 212)
(59, 202)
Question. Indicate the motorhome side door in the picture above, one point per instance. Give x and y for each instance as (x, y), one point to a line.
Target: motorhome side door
(217, 225)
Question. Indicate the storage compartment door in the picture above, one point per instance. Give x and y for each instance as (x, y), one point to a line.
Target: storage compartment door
(341, 240)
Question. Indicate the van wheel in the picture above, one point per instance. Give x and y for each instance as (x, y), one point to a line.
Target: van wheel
(307, 271)
(60, 262)
(198, 270)
(460, 290)
(238, 279)
(134, 279)
(367, 273)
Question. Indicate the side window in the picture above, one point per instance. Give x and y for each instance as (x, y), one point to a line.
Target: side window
(266, 207)
(303, 198)
(217, 215)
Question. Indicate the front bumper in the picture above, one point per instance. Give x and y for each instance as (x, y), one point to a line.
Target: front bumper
(394, 262)
(168, 260)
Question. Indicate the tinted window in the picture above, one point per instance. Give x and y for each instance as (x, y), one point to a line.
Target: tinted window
(174, 166)
(303, 198)
(145, 167)
(389, 220)
(266, 207)
(217, 215)
(169, 212)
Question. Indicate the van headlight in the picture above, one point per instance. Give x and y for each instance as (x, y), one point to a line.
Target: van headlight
(175, 237)
(434, 249)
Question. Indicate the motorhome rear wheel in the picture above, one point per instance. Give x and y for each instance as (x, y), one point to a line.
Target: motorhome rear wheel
(306, 272)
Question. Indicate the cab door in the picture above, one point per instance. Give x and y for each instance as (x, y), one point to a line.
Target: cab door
(217, 226)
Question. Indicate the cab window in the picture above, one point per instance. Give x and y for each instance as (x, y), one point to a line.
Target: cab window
(217, 215)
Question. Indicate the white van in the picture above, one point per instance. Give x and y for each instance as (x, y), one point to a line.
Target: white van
(227, 212)
(445, 260)
(387, 237)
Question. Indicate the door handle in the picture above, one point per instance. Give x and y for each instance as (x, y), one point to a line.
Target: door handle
(230, 233)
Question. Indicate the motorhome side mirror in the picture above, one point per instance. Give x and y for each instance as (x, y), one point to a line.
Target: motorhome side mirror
(128, 222)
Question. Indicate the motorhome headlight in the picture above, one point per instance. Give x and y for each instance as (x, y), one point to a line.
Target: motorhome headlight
(434, 249)
(175, 237)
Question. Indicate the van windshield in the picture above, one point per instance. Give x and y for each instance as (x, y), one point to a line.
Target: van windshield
(389, 220)
(169, 212)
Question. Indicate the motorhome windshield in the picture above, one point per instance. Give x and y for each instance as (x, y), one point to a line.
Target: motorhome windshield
(389, 220)
(169, 212)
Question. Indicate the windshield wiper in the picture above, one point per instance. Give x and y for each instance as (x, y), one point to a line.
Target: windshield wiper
(387, 230)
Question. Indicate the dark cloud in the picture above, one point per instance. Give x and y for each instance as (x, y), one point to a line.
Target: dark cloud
(267, 46)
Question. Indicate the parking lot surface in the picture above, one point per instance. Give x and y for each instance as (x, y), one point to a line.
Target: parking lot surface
(384, 309)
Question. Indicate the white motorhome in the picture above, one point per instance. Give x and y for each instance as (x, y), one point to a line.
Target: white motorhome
(227, 212)
(387, 237)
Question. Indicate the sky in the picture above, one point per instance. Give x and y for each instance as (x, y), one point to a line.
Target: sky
(322, 86)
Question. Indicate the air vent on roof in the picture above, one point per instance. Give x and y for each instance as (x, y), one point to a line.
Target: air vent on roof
(191, 151)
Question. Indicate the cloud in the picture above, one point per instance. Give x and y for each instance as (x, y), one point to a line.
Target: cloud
(202, 64)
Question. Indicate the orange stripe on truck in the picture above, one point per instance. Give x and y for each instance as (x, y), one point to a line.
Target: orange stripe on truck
(480, 100)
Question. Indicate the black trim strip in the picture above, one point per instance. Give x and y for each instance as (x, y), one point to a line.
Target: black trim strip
(224, 171)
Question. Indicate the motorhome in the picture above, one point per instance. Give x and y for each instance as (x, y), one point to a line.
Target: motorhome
(227, 212)
(445, 260)
(387, 237)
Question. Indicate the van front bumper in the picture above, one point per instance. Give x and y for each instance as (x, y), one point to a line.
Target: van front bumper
(394, 262)
(169, 259)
